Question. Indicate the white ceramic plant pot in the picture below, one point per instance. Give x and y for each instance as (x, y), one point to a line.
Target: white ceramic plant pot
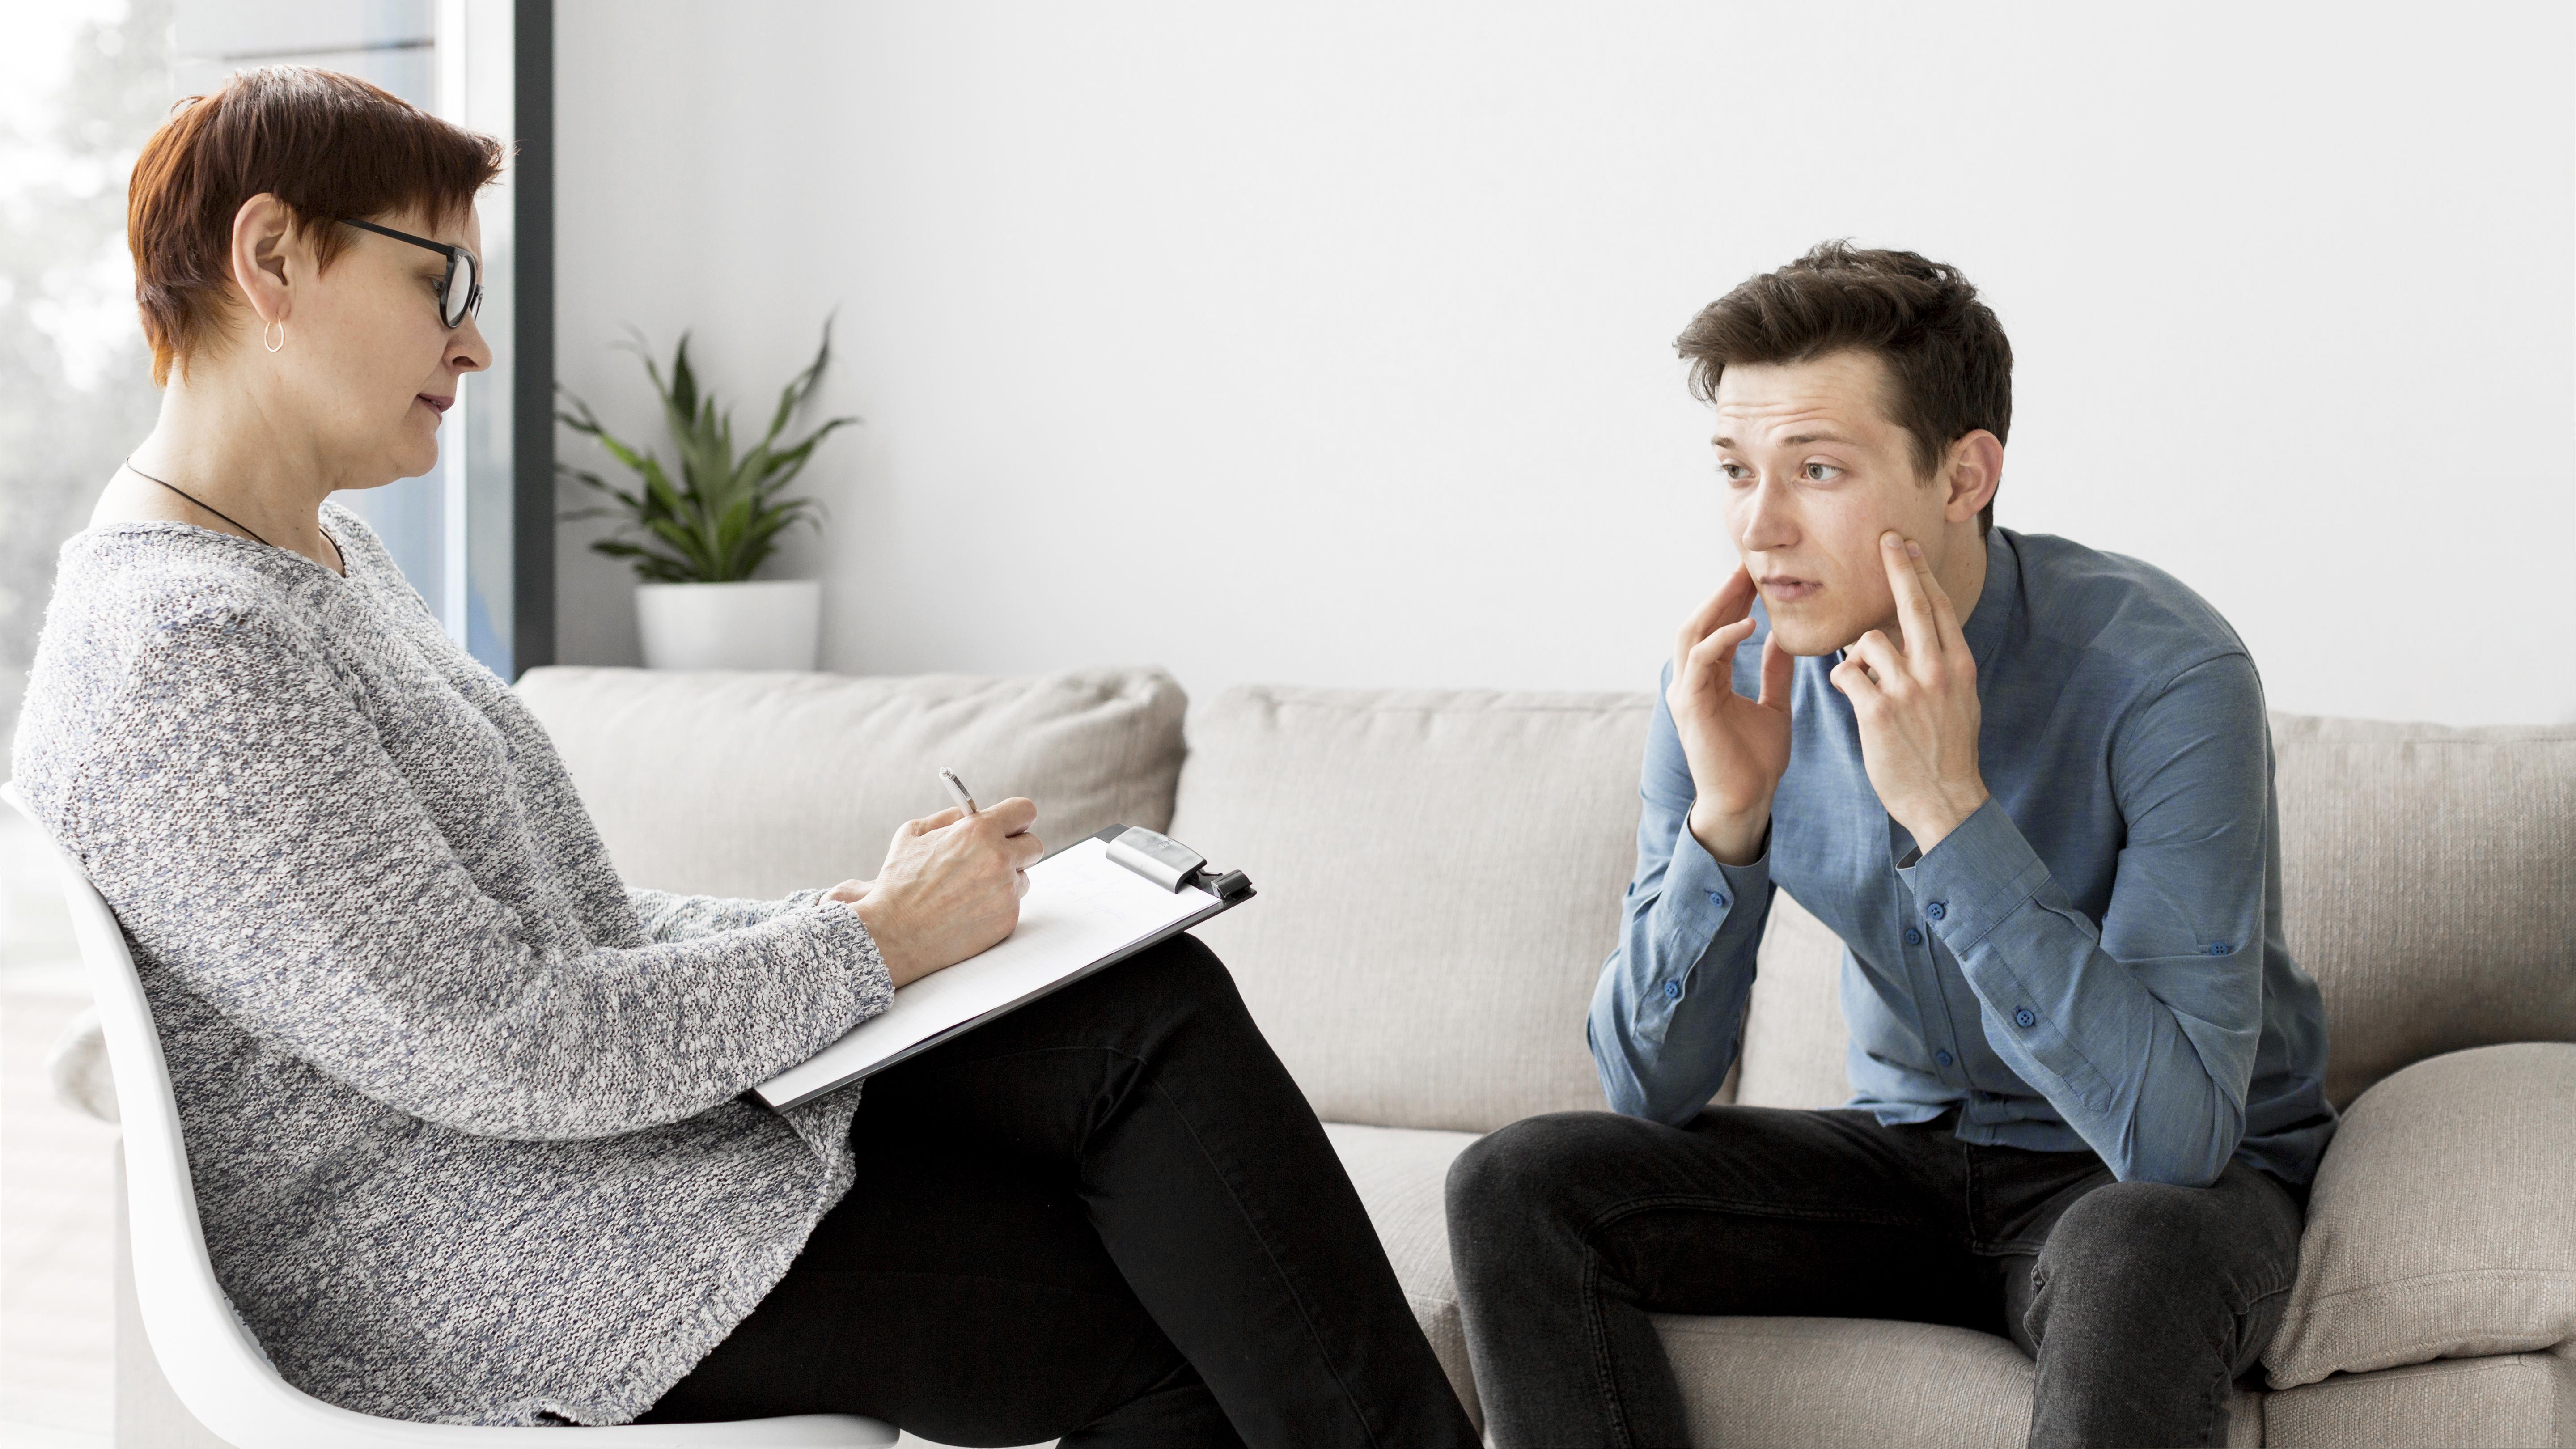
(772, 624)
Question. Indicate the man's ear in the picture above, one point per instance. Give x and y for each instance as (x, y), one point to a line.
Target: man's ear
(1975, 466)
(270, 259)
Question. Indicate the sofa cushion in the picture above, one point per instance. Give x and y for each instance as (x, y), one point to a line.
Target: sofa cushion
(1794, 1035)
(2522, 1400)
(1440, 875)
(2443, 1220)
(2428, 886)
(1402, 1176)
(1864, 1383)
(759, 783)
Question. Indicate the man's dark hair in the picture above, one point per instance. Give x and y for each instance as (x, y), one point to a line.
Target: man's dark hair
(1946, 353)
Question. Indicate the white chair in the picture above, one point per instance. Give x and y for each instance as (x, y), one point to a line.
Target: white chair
(212, 1362)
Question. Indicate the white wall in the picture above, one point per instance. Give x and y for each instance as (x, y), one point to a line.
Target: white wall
(1331, 343)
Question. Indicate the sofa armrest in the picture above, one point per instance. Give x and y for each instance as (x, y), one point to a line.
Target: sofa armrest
(2443, 1219)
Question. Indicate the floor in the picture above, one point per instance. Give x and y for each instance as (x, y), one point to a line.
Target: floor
(56, 1293)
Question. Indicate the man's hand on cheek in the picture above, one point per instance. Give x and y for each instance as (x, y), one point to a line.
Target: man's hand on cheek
(1917, 706)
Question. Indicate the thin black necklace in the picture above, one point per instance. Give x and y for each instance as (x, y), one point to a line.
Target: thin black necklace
(226, 517)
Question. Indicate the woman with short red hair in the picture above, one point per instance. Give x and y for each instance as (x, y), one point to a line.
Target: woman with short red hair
(468, 1117)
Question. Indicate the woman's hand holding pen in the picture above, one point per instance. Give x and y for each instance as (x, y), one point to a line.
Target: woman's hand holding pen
(950, 888)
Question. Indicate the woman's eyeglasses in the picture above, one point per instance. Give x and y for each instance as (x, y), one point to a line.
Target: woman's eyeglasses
(460, 292)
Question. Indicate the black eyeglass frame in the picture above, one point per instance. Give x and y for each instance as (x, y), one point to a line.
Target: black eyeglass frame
(456, 255)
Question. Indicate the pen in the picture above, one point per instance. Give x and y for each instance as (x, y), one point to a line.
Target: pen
(957, 790)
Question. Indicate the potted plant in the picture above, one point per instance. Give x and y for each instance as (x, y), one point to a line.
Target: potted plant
(696, 540)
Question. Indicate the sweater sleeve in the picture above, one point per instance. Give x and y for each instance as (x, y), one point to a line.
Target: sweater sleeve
(669, 916)
(245, 818)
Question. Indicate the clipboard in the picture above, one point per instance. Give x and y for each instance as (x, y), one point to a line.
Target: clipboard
(1090, 905)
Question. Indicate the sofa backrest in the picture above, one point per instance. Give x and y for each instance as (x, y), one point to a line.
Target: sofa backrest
(2429, 884)
(742, 783)
(1441, 874)
(1440, 870)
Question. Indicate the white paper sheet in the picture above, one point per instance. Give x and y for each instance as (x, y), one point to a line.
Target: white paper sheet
(1081, 909)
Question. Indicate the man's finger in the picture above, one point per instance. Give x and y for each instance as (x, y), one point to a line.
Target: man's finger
(1945, 617)
(1779, 674)
(1913, 607)
(1874, 650)
(1852, 678)
(929, 823)
(1710, 664)
(1732, 601)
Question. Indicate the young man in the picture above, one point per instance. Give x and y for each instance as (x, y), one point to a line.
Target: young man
(2029, 785)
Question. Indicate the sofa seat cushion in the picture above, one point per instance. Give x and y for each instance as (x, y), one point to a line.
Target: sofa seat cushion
(2522, 1400)
(2443, 1221)
(758, 783)
(1402, 1175)
(1440, 875)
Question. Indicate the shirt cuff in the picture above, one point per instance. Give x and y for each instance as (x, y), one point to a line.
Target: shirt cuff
(1700, 893)
(1978, 876)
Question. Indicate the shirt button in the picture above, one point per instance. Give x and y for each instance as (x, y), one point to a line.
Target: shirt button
(1717, 900)
(2023, 1018)
(1913, 937)
(1942, 1057)
(1936, 910)
(1672, 991)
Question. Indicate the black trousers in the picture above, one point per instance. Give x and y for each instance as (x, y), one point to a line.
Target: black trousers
(2141, 1301)
(1109, 1217)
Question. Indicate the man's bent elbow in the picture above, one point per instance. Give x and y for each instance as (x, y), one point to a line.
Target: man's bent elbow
(2183, 1159)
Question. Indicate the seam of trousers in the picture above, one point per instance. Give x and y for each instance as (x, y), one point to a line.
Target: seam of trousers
(1598, 1335)
(1278, 1269)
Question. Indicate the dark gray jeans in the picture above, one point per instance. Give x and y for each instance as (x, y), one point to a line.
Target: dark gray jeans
(2140, 1301)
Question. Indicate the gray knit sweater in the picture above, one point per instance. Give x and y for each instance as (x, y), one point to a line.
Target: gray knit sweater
(465, 1112)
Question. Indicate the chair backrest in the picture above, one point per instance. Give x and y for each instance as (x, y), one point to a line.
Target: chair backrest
(215, 1366)
(217, 1369)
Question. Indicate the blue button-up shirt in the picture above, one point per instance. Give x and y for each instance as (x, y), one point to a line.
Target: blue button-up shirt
(2093, 959)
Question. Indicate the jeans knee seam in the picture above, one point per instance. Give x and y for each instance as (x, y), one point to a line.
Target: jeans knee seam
(1598, 1335)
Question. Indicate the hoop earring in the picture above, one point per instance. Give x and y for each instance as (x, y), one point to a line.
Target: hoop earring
(280, 325)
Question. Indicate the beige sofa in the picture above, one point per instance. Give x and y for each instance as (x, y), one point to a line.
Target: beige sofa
(1440, 874)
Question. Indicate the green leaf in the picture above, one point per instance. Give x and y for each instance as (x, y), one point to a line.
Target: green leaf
(716, 520)
(801, 386)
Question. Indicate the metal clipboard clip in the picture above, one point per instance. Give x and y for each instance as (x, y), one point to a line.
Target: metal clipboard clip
(1169, 864)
